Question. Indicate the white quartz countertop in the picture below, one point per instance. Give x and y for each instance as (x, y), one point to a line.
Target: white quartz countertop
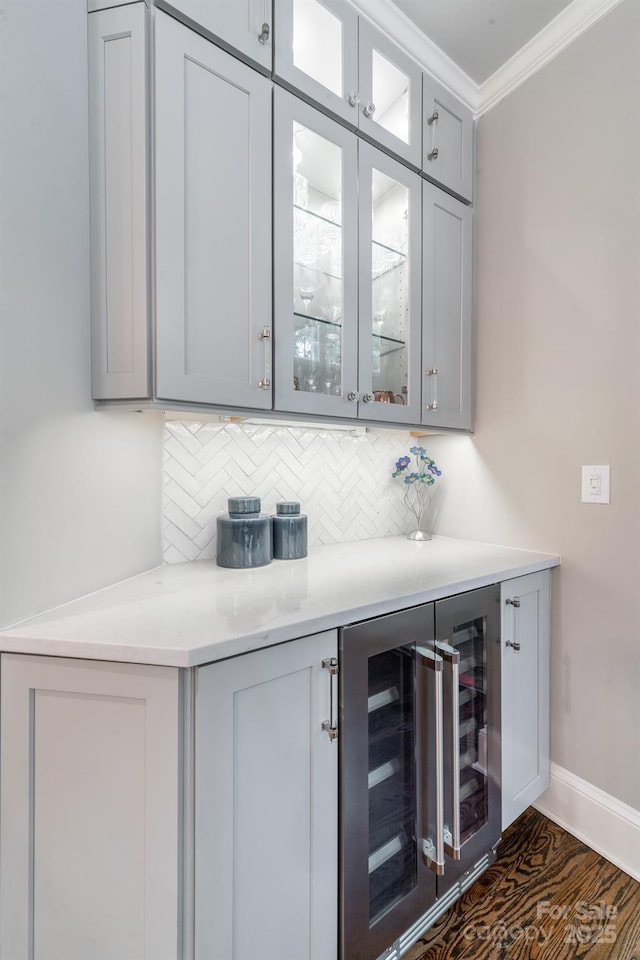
(186, 614)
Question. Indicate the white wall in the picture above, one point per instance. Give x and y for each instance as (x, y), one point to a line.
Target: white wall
(79, 490)
(558, 325)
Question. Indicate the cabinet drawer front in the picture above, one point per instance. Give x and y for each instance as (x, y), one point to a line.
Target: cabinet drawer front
(213, 223)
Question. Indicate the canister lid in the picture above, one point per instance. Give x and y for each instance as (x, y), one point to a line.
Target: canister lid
(243, 504)
(287, 507)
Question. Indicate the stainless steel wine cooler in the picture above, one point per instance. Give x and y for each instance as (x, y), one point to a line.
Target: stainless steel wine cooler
(419, 766)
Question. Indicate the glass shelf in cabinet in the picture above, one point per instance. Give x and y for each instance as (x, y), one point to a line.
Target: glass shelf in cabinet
(317, 216)
(308, 316)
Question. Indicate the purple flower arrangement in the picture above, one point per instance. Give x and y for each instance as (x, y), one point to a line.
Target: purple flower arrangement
(418, 482)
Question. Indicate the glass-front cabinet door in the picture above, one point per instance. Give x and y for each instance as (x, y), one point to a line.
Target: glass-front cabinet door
(315, 245)
(390, 90)
(390, 297)
(316, 52)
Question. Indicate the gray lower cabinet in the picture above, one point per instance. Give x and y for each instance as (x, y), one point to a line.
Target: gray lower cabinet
(89, 810)
(244, 26)
(266, 813)
(525, 692)
(447, 278)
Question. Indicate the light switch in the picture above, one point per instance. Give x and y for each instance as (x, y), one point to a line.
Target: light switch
(596, 484)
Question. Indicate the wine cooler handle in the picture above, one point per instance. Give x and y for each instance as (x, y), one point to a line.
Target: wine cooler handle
(451, 659)
(433, 852)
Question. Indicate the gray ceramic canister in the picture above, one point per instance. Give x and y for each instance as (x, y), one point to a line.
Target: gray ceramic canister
(244, 537)
(289, 531)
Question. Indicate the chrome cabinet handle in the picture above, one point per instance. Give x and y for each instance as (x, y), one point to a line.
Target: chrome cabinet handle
(331, 725)
(433, 848)
(352, 395)
(265, 383)
(369, 110)
(432, 373)
(367, 398)
(510, 643)
(514, 603)
(353, 99)
(264, 335)
(451, 659)
(265, 33)
(432, 122)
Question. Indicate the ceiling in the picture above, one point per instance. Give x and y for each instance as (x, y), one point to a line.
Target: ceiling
(481, 35)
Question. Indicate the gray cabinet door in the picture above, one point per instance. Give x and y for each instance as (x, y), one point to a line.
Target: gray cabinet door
(89, 812)
(118, 199)
(447, 277)
(447, 143)
(266, 828)
(244, 26)
(316, 53)
(390, 292)
(213, 223)
(390, 89)
(526, 618)
(316, 244)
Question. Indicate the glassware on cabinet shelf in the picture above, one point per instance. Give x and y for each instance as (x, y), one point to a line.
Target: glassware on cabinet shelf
(317, 264)
(390, 286)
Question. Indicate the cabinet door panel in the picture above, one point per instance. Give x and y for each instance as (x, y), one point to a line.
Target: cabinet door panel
(89, 810)
(389, 303)
(390, 87)
(447, 139)
(245, 26)
(119, 241)
(315, 236)
(213, 223)
(525, 692)
(316, 53)
(446, 305)
(266, 806)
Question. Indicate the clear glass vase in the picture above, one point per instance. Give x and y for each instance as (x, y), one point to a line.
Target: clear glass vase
(417, 497)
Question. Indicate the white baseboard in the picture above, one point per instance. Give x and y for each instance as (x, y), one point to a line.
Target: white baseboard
(607, 825)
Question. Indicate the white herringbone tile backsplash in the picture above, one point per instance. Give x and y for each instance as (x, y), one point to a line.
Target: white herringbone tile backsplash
(342, 480)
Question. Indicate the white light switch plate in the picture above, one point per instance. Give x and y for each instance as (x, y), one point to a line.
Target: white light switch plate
(596, 484)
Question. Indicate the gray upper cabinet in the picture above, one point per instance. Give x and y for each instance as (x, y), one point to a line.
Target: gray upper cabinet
(447, 144)
(119, 197)
(213, 223)
(389, 300)
(316, 257)
(316, 53)
(447, 276)
(341, 62)
(390, 91)
(242, 26)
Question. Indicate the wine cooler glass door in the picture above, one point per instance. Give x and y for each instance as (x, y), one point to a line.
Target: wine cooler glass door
(468, 640)
(386, 884)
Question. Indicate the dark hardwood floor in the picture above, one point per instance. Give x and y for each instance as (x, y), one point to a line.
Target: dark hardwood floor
(547, 897)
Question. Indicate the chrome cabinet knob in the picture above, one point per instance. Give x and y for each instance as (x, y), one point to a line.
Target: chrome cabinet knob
(433, 154)
(353, 99)
(265, 33)
(367, 398)
(516, 646)
(513, 603)
(352, 395)
(369, 110)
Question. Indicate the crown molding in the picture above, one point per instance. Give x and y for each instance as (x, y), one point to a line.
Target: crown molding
(387, 17)
(570, 24)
